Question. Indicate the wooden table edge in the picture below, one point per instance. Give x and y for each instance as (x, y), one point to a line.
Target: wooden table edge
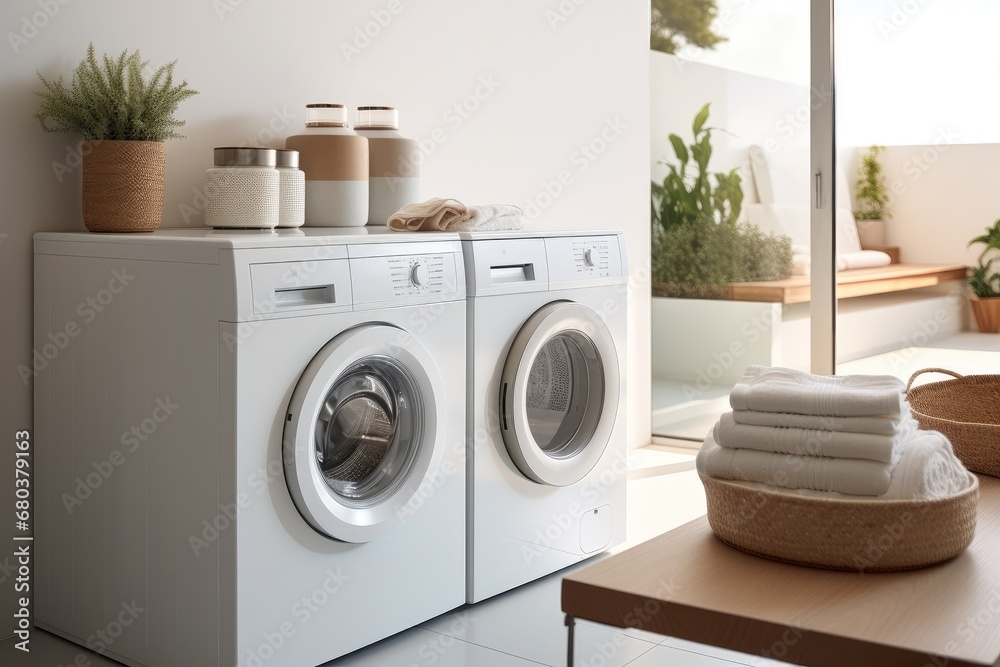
(785, 643)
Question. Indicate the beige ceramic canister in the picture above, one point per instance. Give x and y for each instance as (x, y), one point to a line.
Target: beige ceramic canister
(393, 171)
(335, 162)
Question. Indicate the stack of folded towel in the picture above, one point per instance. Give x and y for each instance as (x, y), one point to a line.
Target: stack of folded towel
(850, 435)
(451, 215)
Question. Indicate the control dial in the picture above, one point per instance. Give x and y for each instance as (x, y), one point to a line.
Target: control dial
(588, 257)
(419, 275)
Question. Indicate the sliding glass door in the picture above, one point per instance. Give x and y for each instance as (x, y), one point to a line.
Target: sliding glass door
(743, 201)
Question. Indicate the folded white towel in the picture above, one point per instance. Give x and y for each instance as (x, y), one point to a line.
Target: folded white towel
(877, 424)
(451, 215)
(787, 390)
(813, 442)
(927, 469)
(855, 477)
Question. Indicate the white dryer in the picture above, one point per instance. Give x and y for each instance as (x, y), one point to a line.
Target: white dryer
(547, 456)
(253, 442)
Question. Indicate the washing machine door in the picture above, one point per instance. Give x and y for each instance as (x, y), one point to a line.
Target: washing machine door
(361, 432)
(559, 393)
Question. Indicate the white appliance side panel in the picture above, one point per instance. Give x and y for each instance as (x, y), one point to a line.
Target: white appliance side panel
(419, 566)
(128, 365)
(200, 625)
(53, 467)
(229, 391)
(42, 436)
(130, 417)
(167, 400)
(91, 444)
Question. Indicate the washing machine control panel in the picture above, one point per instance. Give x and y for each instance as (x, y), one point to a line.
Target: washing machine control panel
(401, 277)
(586, 258)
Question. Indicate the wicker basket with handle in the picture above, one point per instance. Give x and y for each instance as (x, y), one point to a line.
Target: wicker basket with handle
(966, 410)
(841, 534)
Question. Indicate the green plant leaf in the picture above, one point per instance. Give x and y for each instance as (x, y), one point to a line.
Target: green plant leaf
(680, 150)
(699, 119)
(109, 99)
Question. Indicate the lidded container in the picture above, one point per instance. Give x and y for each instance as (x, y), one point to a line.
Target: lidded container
(335, 162)
(242, 190)
(292, 189)
(393, 167)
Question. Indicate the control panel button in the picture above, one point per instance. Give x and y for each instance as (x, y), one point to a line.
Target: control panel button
(419, 275)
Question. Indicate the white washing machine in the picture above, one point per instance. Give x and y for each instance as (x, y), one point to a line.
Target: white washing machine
(250, 446)
(546, 412)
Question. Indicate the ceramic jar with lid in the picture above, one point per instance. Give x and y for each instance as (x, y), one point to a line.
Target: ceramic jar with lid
(393, 169)
(242, 190)
(292, 189)
(335, 162)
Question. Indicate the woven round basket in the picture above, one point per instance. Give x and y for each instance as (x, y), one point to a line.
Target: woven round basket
(123, 185)
(835, 534)
(967, 410)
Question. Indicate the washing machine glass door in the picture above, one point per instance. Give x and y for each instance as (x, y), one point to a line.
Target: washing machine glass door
(559, 394)
(360, 432)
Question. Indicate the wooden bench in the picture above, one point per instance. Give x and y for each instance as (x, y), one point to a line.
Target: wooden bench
(850, 283)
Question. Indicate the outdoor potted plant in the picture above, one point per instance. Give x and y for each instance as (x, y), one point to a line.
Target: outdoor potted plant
(985, 282)
(124, 118)
(872, 197)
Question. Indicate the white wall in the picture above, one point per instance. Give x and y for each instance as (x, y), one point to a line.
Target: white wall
(560, 82)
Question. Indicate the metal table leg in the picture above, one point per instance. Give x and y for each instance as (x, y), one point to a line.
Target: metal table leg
(570, 631)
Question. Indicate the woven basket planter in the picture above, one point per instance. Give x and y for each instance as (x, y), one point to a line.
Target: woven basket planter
(835, 534)
(967, 410)
(123, 185)
(987, 312)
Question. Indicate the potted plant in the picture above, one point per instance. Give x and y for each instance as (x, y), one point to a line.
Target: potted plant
(698, 245)
(872, 197)
(124, 118)
(985, 282)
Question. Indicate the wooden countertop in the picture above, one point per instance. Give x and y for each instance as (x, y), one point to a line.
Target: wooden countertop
(850, 283)
(688, 584)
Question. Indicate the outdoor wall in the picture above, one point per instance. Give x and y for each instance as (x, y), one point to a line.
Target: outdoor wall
(748, 109)
(941, 195)
(541, 104)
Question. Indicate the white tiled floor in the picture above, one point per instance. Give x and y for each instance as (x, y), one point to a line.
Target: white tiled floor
(523, 627)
